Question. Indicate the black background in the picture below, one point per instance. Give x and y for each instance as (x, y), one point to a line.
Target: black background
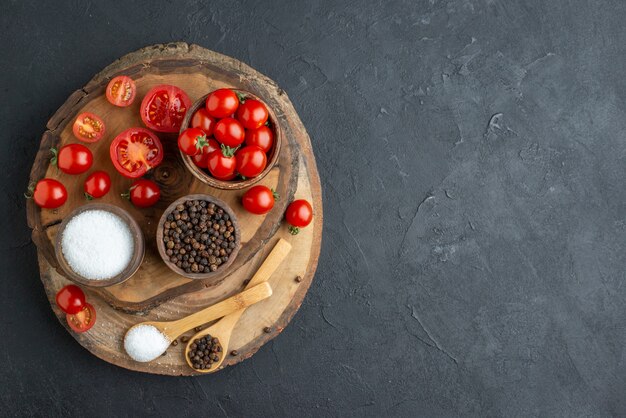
(472, 155)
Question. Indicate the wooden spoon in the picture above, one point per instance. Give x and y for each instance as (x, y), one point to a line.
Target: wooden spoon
(222, 329)
(173, 329)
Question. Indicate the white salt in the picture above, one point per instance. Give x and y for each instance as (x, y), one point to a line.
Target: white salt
(145, 343)
(97, 244)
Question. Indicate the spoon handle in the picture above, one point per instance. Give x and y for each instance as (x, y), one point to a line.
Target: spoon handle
(271, 263)
(234, 303)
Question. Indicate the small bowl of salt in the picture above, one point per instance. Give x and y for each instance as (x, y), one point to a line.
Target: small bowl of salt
(99, 245)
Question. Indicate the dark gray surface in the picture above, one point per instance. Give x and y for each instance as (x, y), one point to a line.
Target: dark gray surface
(473, 157)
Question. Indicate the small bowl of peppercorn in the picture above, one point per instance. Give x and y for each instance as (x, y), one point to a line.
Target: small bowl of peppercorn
(198, 237)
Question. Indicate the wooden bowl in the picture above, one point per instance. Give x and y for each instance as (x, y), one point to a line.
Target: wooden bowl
(135, 261)
(221, 271)
(205, 177)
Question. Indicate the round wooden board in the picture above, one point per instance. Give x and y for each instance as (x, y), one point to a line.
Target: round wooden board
(155, 292)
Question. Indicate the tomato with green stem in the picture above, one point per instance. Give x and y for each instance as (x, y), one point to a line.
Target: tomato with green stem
(252, 114)
(222, 163)
(202, 120)
(97, 184)
(222, 103)
(47, 193)
(262, 137)
(259, 199)
(72, 158)
(143, 193)
(251, 161)
(299, 214)
(201, 159)
(192, 140)
(230, 132)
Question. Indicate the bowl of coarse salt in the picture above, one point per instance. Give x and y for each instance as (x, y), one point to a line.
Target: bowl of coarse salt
(99, 245)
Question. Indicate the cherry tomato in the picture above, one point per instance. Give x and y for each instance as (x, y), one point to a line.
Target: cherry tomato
(202, 120)
(135, 151)
(252, 114)
(163, 108)
(191, 141)
(143, 193)
(299, 214)
(72, 158)
(88, 127)
(222, 164)
(251, 161)
(83, 320)
(222, 103)
(48, 193)
(259, 200)
(97, 185)
(230, 132)
(121, 91)
(71, 299)
(201, 159)
(262, 138)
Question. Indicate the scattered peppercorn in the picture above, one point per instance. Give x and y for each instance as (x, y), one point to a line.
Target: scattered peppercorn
(175, 343)
(184, 339)
(203, 352)
(199, 236)
(267, 330)
(234, 353)
(197, 329)
(298, 279)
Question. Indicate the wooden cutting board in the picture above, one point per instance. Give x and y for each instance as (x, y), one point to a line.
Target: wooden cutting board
(155, 292)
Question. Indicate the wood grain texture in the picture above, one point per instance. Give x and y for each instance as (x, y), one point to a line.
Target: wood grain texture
(155, 292)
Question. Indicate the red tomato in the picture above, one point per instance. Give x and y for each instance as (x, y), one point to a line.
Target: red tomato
(222, 164)
(88, 127)
(70, 299)
(135, 151)
(222, 103)
(251, 161)
(259, 200)
(121, 91)
(262, 138)
(299, 214)
(202, 120)
(143, 193)
(48, 194)
(72, 158)
(163, 108)
(83, 320)
(97, 185)
(191, 141)
(252, 114)
(230, 132)
(201, 159)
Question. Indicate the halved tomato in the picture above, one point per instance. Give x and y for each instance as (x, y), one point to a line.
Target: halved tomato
(83, 320)
(135, 151)
(121, 91)
(163, 108)
(88, 127)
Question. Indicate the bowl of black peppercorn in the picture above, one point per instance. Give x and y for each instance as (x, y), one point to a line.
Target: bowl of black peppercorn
(198, 237)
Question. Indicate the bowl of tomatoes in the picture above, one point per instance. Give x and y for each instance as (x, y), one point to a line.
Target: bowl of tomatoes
(230, 139)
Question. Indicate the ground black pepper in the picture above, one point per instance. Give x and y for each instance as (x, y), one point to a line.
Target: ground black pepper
(203, 352)
(199, 236)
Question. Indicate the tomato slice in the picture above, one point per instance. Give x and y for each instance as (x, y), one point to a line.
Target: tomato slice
(121, 91)
(163, 108)
(135, 151)
(83, 320)
(88, 127)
